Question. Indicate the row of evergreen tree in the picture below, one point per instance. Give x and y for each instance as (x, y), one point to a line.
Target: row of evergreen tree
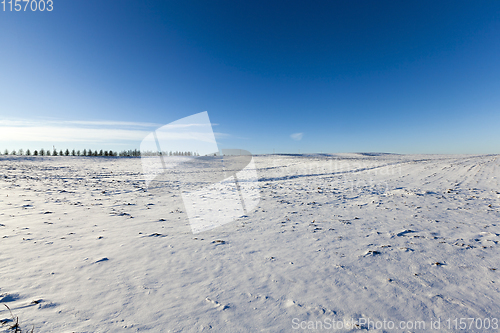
(90, 152)
(43, 152)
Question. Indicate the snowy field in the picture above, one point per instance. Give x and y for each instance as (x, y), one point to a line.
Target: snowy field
(336, 240)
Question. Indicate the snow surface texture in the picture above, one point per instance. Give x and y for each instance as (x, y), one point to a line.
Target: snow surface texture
(85, 248)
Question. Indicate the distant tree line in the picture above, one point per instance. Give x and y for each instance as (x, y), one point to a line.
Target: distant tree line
(90, 152)
(67, 152)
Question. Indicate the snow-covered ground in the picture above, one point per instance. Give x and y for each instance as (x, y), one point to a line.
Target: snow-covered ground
(335, 239)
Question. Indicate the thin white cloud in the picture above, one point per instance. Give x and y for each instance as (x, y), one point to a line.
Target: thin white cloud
(112, 123)
(297, 136)
(219, 135)
(65, 123)
(68, 134)
(183, 126)
(24, 130)
(166, 136)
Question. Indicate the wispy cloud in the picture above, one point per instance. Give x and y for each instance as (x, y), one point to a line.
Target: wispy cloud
(219, 135)
(68, 134)
(116, 132)
(297, 136)
(66, 123)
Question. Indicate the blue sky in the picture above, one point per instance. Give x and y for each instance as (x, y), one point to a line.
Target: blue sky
(327, 76)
